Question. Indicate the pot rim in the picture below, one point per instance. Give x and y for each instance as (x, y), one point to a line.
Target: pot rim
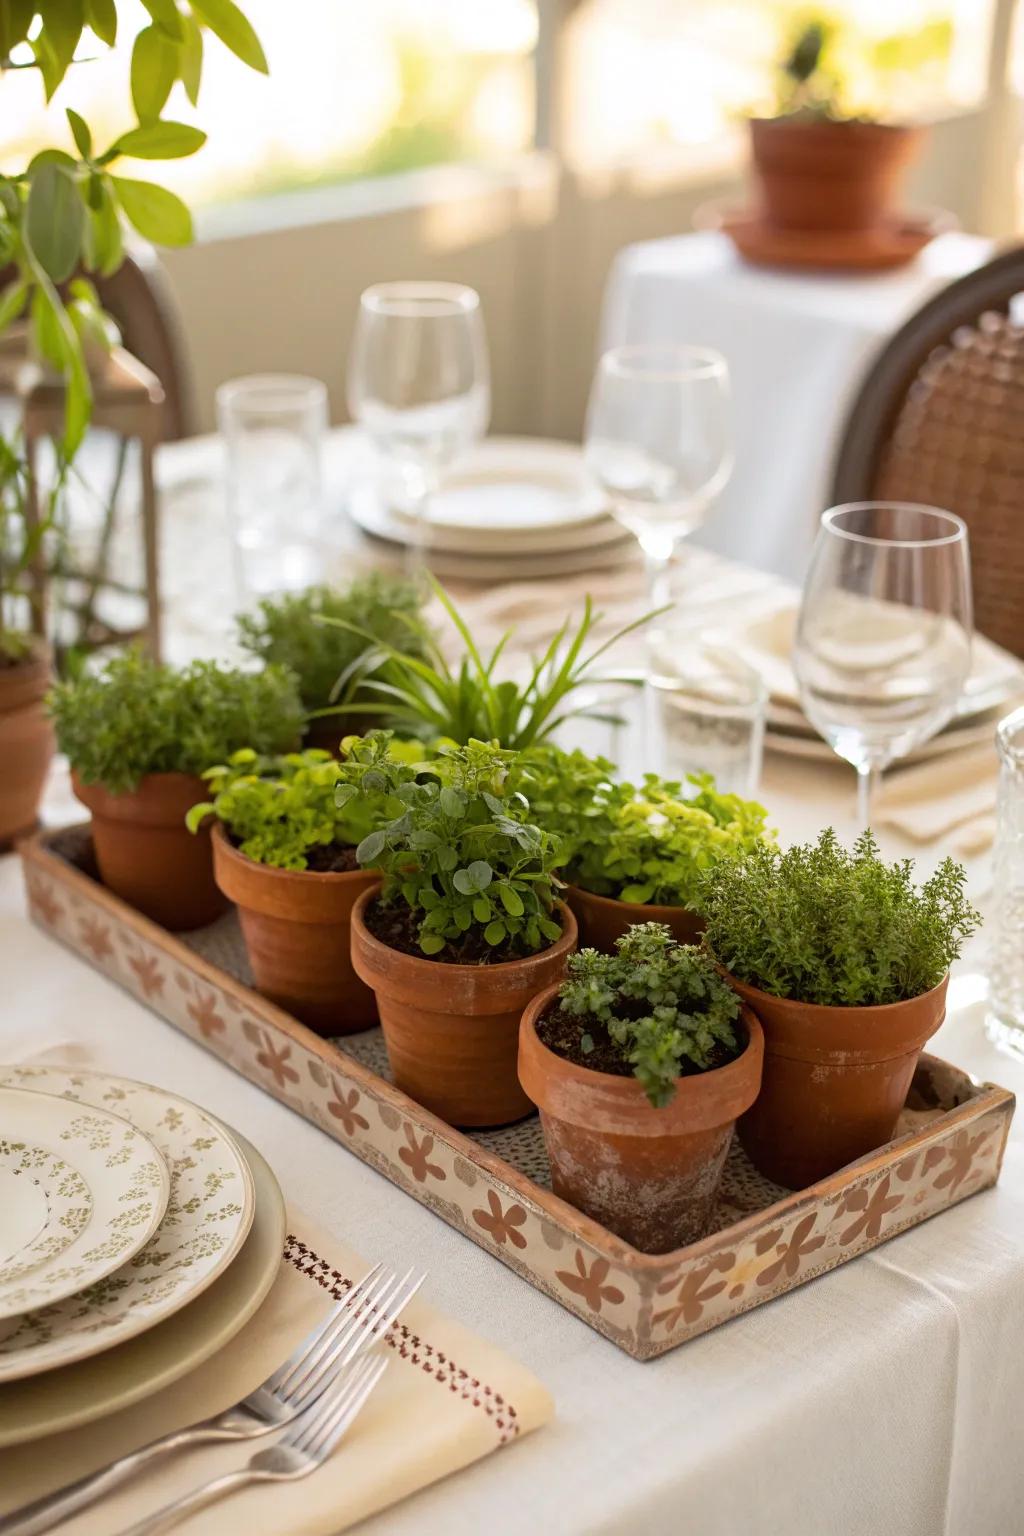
(228, 851)
(793, 122)
(639, 906)
(838, 1010)
(626, 1093)
(566, 940)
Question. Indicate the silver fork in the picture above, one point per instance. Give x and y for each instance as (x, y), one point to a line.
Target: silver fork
(363, 1315)
(304, 1446)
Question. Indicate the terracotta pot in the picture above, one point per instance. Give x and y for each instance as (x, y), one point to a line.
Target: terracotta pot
(326, 732)
(452, 1031)
(835, 1080)
(147, 855)
(601, 920)
(829, 175)
(649, 1175)
(296, 928)
(26, 743)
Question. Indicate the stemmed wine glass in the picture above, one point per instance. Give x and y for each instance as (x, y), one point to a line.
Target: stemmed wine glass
(418, 382)
(659, 441)
(883, 643)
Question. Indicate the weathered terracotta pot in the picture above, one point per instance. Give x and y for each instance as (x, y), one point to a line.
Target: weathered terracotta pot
(829, 175)
(147, 855)
(601, 920)
(452, 1031)
(326, 731)
(835, 1080)
(26, 743)
(296, 926)
(649, 1175)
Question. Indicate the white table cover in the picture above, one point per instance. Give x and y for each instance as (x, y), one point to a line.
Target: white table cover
(798, 345)
(884, 1399)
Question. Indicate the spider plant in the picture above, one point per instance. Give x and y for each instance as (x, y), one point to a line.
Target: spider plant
(421, 693)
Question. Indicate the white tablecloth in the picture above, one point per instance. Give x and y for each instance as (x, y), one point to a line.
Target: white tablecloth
(797, 345)
(884, 1399)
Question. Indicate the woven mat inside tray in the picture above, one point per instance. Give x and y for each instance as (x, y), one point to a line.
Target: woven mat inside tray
(743, 1189)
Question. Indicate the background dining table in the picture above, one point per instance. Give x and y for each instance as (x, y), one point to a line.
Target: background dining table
(883, 1399)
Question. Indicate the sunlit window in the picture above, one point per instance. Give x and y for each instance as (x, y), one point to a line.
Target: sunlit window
(648, 72)
(356, 88)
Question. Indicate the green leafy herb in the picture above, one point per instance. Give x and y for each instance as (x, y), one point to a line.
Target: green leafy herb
(821, 924)
(660, 1003)
(136, 717)
(420, 691)
(646, 844)
(290, 630)
(459, 852)
(278, 808)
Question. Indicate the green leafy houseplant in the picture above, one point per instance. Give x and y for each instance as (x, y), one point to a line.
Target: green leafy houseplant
(645, 844)
(283, 811)
(821, 924)
(419, 690)
(289, 630)
(135, 717)
(656, 1008)
(459, 856)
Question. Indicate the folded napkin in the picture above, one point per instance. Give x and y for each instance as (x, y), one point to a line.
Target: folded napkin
(952, 796)
(447, 1399)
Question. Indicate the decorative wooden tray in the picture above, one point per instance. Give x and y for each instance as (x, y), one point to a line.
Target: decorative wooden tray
(493, 1185)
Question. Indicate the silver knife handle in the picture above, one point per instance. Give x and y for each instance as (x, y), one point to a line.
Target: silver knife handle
(43, 1514)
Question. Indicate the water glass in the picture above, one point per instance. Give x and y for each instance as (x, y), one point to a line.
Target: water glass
(1005, 925)
(706, 712)
(419, 383)
(273, 428)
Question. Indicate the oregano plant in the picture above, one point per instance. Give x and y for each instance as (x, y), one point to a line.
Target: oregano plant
(655, 1007)
(460, 854)
(820, 923)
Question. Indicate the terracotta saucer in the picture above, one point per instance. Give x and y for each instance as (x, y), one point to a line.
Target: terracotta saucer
(891, 244)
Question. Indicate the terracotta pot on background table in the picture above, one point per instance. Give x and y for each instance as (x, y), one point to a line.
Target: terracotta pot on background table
(296, 926)
(452, 1031)
(602, 919)
(26, 742)
(830, 175)
(147, 855)
(835, 1080)
(649, 1175)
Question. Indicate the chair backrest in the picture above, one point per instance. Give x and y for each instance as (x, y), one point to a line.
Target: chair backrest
(940, 420)
(138, 298)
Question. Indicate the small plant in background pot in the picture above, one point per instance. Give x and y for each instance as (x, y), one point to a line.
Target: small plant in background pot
(635, 854)
(640, 1063)
(138, 735)
(465, 928)
(285, 853)
(290, 631)
(845, 961)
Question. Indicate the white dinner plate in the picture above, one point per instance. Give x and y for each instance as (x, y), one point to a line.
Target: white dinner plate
(85, 1191)
(209, 1212)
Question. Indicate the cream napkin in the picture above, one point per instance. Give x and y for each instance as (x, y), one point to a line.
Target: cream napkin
(447, 1399)
(952, 796)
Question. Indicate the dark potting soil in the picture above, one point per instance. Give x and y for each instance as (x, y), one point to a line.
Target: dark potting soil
(563, 1033)
(332, 859)
(398, 926)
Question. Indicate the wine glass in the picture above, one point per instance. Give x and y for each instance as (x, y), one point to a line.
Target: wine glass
(883, 642)
(658, 440)
(418, 383)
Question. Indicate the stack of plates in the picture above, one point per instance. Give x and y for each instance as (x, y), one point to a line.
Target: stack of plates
(513, 508)
(137, 1235)
(766, 642)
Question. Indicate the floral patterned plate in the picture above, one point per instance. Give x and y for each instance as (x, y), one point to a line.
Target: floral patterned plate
(105, 1189)
(209, 1212)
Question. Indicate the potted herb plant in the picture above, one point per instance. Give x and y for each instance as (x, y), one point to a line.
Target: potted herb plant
(634, 854)
(290, 631)
(138, 735)
(819, 166)
(285, 853)
(640, 1062)
(845, 962)
(463, 931)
